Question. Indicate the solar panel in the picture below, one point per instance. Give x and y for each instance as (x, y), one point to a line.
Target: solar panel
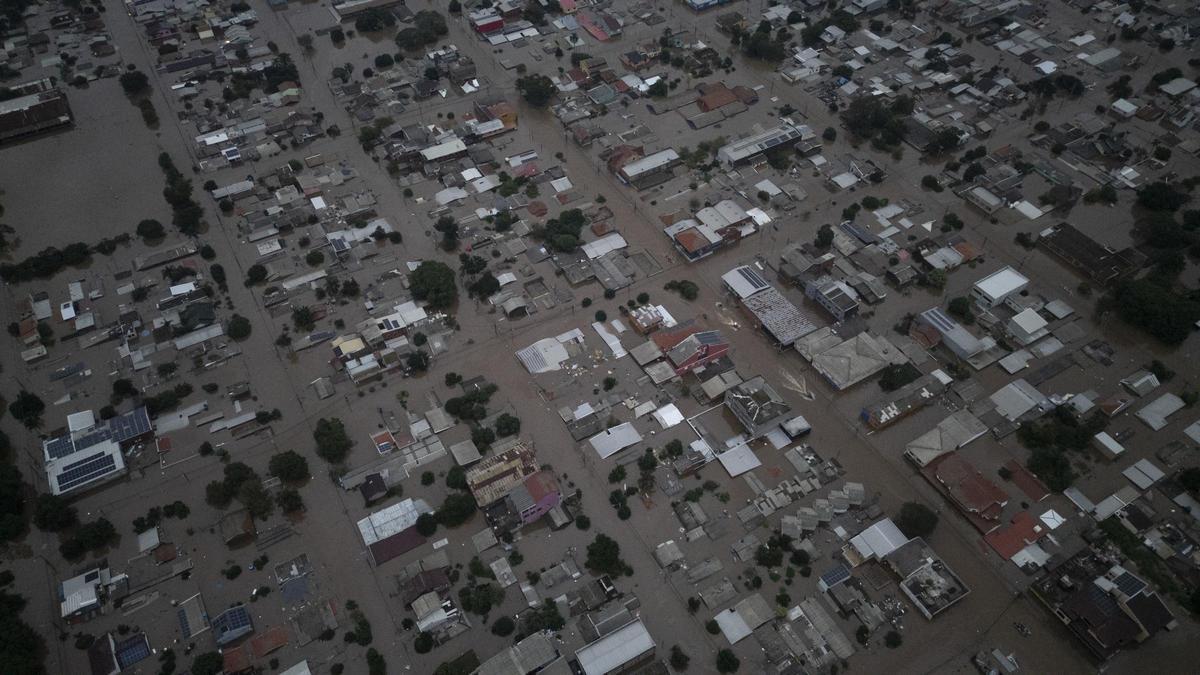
(183, 622)
(1129, 584)
(60, 447)
(232, 624)
(85, 470)
(752, 277)
(133, 650)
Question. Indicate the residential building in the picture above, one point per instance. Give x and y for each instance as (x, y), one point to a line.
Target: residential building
(979, 499)
(91, 452)
(835, 296)
(744, 150)
(778, 317)
(650, 170)
(621, 651)
(530, 655)
(757, 406)
(689, 348)
(38, 108)
(492, 478)
(959, 340)
(1096, 262)
(84, 596)
(996, 287)
(530, 499)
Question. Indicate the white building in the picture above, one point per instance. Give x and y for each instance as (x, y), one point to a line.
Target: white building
(998, 286)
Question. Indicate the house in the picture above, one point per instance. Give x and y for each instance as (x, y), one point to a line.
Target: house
(959, 340)
(835, 296)
(977, 497)
(757, 406)
(91, 452)
(1112, 611)
(530, 655)
(41, 109)
(492, 478)
(232, 624)
(531, 499)
(649, 170)
(689, 348)
(997, 287)
(744, 150)
(1096, 262)
(84, 596)
(621, 651)
(1028, 327)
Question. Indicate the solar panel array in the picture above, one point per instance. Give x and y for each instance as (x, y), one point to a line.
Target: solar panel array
(232, 624)
(1129, 584)
(133, 650)
(183, 622)
(753, 278)
(86, 470)
(118, 429)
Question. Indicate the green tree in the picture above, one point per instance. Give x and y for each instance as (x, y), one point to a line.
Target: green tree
(239, 327)
(427, 524)
(536, 89)
(433, 282)
(727, 662)
(134, 82)
(503, 626)
(892, 639)
(456, 509)
(916, 520)
(150, 229)
(289, 466)
(376, 665)
(507, 425)
(208, 663)
(604, 557)
(679, 659)
(27, 409)
(332, 442)
(53, 513)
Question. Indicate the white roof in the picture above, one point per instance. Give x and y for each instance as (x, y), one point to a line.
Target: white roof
(1156, 413)
(879, 540)
(668, 416)
(443, 149)
(744, 281)
(611, 441)
(604, 245)
(615, 649)
(391, 520)
(1143, 473)
(739, 460)
(1001, 283)
(79, 421)
(1110, 444)
(1029, 321)
(298, 669)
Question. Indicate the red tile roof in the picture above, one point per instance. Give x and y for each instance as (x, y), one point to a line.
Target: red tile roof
(1023, 531)
(1033, 488)
(265, 643)
(396, 545)
(541, 484)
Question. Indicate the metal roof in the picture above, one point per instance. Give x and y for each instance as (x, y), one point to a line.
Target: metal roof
(615, 649)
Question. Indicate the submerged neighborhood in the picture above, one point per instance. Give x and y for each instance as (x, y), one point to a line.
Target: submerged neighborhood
(599, 337)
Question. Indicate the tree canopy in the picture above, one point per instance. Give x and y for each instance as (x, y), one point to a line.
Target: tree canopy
(604, 557)
(536, 89)
(332, 442)
(289, 466)
(916, 520)
(433, 282)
